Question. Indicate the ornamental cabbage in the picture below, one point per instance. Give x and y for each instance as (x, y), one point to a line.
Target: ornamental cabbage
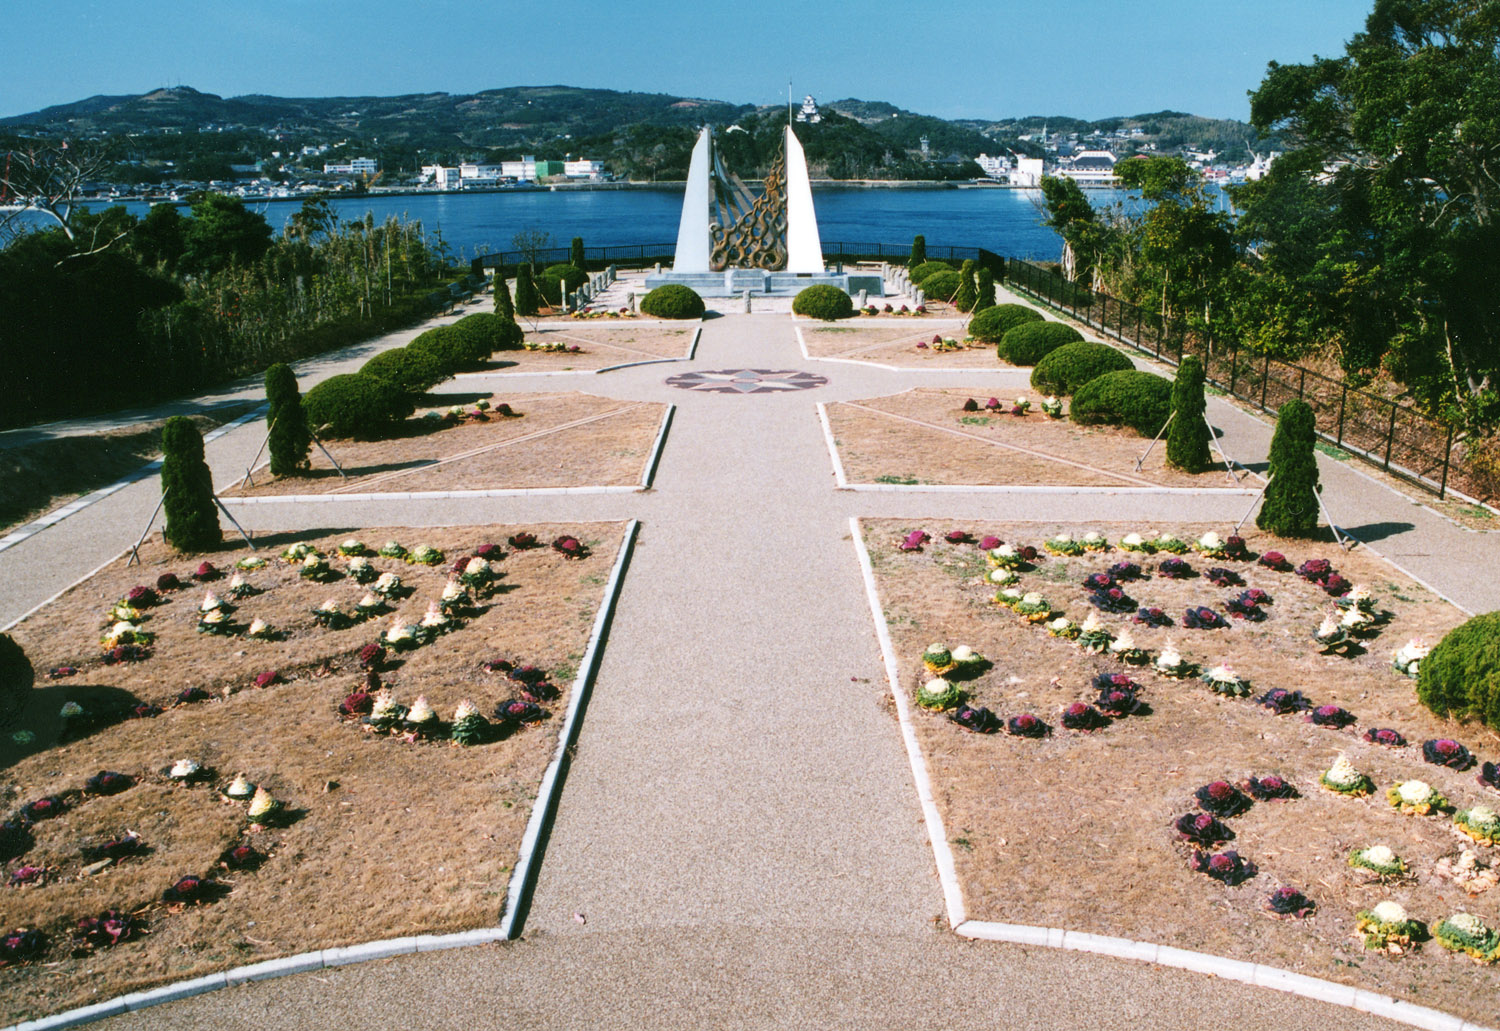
(1447, 752)
(1343, 778)
(1222, 798)
(939, 694)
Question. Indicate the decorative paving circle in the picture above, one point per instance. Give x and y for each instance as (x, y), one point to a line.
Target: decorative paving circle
(747, 381)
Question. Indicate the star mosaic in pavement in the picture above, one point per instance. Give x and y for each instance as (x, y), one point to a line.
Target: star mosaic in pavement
(747, 381)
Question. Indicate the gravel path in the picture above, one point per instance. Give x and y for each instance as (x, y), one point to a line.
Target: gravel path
(738, 842)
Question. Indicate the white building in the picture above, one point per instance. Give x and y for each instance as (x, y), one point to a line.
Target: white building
(358, 166)
(1261, 165)
(444, 178)
(809, 112)
(995, 168)
(583, 168)
(1027, 172)
(1090, 167)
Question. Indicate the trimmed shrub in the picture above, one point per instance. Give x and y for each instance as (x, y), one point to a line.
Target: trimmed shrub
(918, 251)
(673, 301)
(504, 306)
(984, 290)
(528, 301)
(1072, 365)
(928, 268)
(1461, 676)
(16, 677)
(964, 299)
(1030, 342)
(1187, 437)
(575, 253)
(356, 405)
(992, 324)
(1291, 505)
(490, 332)
(941, 286)
(289, 440)
(408, 370)
(1131, 398)
(187, 488)
(452, 347)
(823, 301)
(572, 275)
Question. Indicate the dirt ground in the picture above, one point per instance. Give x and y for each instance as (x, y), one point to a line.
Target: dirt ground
(889, 344)
(386, 836)
(1093, 812)
(558, 440)
(603, 345)
(925, 436)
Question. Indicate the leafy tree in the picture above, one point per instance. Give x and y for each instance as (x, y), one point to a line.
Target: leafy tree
(192, 521)
(531, 242)
(528, 301)
(161, 237)
(315, 218)
(504, 307)
(223, 232)
(289, 436)
(964, 299)
(918, 251)
(1385, 212)
(1291, 505)
(575, 253)
(1187, 437)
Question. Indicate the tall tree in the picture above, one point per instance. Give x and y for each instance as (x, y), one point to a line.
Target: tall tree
(1291, 505)
(187, 488)
(223, 232)
(1187, 438)
(290, 438)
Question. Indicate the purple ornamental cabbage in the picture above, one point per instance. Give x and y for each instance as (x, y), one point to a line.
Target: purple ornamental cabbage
(1027, 725)
(957, 537)
(489, 552)
(1255, 596)
(108, 782)
(1314, 570)
(1098, 582)
(104, 931)
(1202, 829)
(1223, 866)
(1118, 695)
(1201, 617)
(1275, 560)
(44, 808)
(1489, 776)
(1112, 600)
(1336, 586)
(1239, 608)
(1332, 716)
(1174, 569)
(188, 695)
(126, 653)
(1152, 617)
(145, 712)
(1385, 736)
(989, 543)
(168, 582)
(977, 719)
(914, 541)
(569, 547)
(141, 597)
(21, 946)
(992, 405)
(59, 672)
(192, 890)
(970, 405)
(23, 875)
(1447, 752)
(1027, 552)
(1222, 798)
(1234, 547)
(1283, 702)
(1288, 901)
(206, 571)
(1221, 577)
(15, 838)
(241, 857)
(1082, 717)
(523, 541)
(266, 678)
(358, 703)
(116, 848)
(519, 711)
(1125, 571)
(1270, 787)
(372, 657)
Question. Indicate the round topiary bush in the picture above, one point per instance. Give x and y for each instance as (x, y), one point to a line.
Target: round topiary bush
(928, 268)
(1131, 398)
(490, 332)
(453, 348)
(673, 301)
(1072, 365)
(992, 324)
(16, 678)
(1030, 342)
(413, 372)
(941, 286)
(569, 274)
(192, 520)
(1461, 676)
(356, 405)
(824, 302)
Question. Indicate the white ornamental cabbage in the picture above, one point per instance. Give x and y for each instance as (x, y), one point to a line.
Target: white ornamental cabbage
(184, 768)
(239, 787)
(420, 711)
(1414, 792)
(1342, 773)
(1124, 643)
(1093, 624)
(1389, 912)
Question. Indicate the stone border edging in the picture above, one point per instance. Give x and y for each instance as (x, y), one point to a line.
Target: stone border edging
(839, 481)
(321, 959)
(654, 458)
(56, 516)
(426, 495)
(523, 878)
(1257, 974)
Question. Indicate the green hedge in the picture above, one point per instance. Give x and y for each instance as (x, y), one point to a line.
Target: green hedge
(1030, 342)
(1072, 365)
(1140, 400)
(928, 268)
(992, 324)
(356, 405)
(408, 370)
(570, 274)
(454, 349)
(491, 332)
(1461, 676)
(941, 286)
(673, 301)
(823, 301)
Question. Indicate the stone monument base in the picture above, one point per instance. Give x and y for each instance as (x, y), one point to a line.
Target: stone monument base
(734, 282)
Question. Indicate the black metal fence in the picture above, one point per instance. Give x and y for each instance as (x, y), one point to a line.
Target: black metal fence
(1398, 438)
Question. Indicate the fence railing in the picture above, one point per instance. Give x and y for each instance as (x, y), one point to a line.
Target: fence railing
(1397, 438)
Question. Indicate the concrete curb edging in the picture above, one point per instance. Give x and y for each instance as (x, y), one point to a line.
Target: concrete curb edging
(891, 368)
(1255, 974)
(322, 959)
(523, 878)
(654, 458)
(992, 488)
(56, 516)
(937, 834)
(426, 495)
(839, 481)
(43, 604)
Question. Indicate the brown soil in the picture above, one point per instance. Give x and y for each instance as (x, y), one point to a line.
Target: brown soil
(389, 837)
(925, 436)
(38, 477)
(603, 346)
(557, 440)
(897, 345)
(1093, 812)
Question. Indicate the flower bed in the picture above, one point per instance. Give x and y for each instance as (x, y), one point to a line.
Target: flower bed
(906, 344)
(353, 825)
(1102, 804)
(599, 345)
(537, 446)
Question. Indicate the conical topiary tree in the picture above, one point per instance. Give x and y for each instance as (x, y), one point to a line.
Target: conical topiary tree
(1291, 505)
(503, 305)
(290, 439)
(192, 520)
(528, 301)
(984, 290)
(575, 254)
(964, 299)
(1187, 438)
(918, 251)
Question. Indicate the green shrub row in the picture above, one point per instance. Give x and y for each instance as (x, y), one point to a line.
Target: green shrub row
(1130, 397)
(1030, 342)
(823, 301)
(356, 405)
(1072, 365)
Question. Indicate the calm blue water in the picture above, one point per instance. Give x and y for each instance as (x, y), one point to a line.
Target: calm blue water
(1005, 221)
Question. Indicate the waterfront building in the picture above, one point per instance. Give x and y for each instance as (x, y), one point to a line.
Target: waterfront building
(994, 167)
(1028, 172)
(357, 166)
(1090, 168)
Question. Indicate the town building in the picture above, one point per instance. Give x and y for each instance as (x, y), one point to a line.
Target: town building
(357, 166)
(1090, 168)
(809, 112)
(994, 167)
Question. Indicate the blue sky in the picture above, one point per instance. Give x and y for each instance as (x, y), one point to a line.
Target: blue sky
(1087, 58)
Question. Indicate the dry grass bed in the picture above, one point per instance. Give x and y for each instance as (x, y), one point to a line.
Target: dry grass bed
(558, 440)
(601, 346)
(1075, 830)
(925, 436)
(897, 345)
(388, 837)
